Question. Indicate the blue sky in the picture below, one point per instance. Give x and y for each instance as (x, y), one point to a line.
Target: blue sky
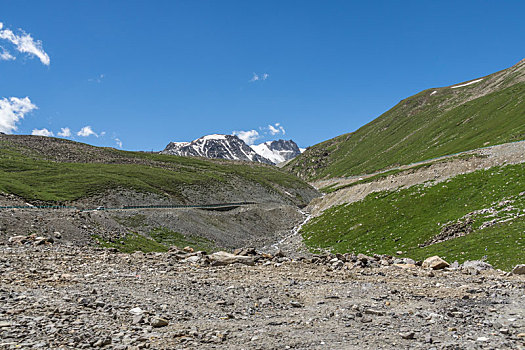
(145, 73)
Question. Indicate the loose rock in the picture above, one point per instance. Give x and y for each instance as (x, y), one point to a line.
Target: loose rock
(435, 263)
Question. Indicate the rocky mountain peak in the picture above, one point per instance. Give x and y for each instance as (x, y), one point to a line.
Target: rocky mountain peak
(216, 146)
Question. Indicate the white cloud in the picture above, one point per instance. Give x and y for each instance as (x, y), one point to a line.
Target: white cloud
(97, 79)
(25, 43)
(86, 131)
(276, 129)
(5, 55)
(42, 132)
(257, 77)
(118, 142)
(13, 109)
(250, 136)
(247, 136)
(64, 132)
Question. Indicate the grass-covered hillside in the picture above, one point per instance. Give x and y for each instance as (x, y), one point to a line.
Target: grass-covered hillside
(57, 170)
(484, 210)
(433, 123)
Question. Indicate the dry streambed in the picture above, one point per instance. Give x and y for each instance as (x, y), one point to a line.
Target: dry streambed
(59, 296)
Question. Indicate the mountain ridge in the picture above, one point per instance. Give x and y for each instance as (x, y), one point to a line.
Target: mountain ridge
(221, 146)
(435, 122)
(48, 170)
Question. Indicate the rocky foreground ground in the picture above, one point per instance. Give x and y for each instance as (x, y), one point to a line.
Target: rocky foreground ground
(65, 297)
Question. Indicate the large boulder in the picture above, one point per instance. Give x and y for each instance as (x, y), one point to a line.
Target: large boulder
(435, 263)
(519, 270)
(224, 258)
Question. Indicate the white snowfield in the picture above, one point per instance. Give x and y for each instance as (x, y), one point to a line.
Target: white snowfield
(469, 83)
(275, 156)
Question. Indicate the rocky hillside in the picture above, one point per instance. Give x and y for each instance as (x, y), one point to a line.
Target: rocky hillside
(433, 123)
(48, 170)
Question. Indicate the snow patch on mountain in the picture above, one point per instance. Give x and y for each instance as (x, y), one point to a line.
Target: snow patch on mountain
(466, 84)
(278, 151)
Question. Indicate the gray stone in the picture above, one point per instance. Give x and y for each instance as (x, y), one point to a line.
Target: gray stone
(17, 239)
(137, 319)
(519, 270)
(102, 342)
(136, 311)
(158, 322)
(407, 335)
(295, 303)
(408, 261)
(374, 312)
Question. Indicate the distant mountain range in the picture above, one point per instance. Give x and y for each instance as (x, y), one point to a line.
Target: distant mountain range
(233, 148)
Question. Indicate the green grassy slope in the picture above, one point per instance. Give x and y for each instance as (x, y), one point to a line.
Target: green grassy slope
(433, 123)
(158, 240)
(33, 168)
(391, 221)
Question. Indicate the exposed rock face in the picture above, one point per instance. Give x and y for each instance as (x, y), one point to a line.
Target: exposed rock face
(278, 151)
(216, 146)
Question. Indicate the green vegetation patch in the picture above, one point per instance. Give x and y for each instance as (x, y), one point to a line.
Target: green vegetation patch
(401, 220)
(159, 239)
(133, 242)
(33, 176)
(171, 238)
(503, 245)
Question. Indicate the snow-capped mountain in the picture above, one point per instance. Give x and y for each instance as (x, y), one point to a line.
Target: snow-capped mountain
(278, 151)
(216, 146)
(232, 147)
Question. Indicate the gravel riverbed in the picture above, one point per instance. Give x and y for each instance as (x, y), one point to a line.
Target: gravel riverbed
(69, 297)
